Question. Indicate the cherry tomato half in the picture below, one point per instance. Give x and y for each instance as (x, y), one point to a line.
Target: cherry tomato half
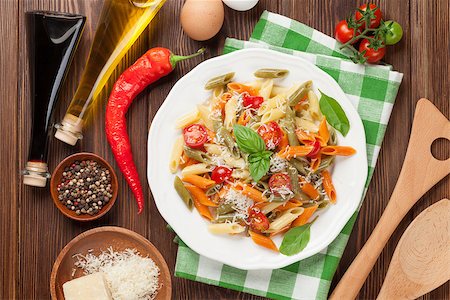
(394, 34)
(377, 16)
(271, 134)
(252, 101)
(372, 55)
(220, 174)
(195, 135)
(343, 33)
(279, 180)
(315, 150)
(258, 221)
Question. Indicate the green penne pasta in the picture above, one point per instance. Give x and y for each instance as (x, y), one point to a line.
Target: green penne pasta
(271, 73)
(183, 192)
(289, 125)
(228, 217)
(333, 136)
(219, 81)
(197, 155)
(325, 163)
(300, 166)
(229, 142)
(224, 209)
(297, 95)
(293, 175)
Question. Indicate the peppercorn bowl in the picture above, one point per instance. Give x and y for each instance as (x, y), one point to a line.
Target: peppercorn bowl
(84, 186)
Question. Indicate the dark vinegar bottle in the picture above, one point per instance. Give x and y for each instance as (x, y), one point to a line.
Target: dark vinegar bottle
(52, 40)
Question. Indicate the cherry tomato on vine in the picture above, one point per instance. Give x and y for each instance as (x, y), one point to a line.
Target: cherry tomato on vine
(371, 54)
(220, 174)
(271, 134)
(394, 34)
(343, 33)
(315, 150)
(195, 135)
(278, 181)
(377, 16)
(258, 220)
(252, 101)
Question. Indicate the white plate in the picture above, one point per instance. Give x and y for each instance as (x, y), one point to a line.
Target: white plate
(349, 174)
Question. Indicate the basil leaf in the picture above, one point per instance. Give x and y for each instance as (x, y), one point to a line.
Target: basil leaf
(248, 140)
(259, 166)
(334, 113)
(296, 239)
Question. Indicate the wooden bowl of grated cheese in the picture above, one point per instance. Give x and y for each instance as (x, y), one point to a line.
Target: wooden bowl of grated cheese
(83, 254)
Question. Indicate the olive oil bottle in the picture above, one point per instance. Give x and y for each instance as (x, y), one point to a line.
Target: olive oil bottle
(121, 22)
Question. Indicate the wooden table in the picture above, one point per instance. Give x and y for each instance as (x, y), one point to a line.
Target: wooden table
(32, 231)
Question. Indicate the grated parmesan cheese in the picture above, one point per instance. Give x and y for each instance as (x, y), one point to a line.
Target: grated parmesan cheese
(277, 164)
(239, 202)
(128, 275)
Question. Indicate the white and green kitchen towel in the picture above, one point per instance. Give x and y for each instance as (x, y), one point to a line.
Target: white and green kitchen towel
(372, 89)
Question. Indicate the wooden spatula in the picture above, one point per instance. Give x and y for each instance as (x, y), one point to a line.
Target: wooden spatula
(421, 261)
(419, 173)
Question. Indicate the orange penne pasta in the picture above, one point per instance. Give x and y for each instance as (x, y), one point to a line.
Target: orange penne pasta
(328, 186)
(301, 105)
(199, 181)
(223, 190)
(323, 132)
(315, 162)
(290, 204)
(338, 150)
(184, 159)
(309, 190)
(203, 210)
(250, 192)
(295, 151)
(220, 105)
(199, 194)
(304, 137)
(241, 88)
(263, 241)
(244, 118)
(284, 141)
(304, 217)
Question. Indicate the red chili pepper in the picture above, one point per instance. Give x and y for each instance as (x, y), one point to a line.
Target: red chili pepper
(153, 65)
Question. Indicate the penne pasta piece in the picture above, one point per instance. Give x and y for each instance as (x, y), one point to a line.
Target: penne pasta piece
(198, 155)
(325, 163)
(289, 204)
(306, 124)
(309, 190)
(296, 95)
(230, 113)
(205, 116)
(229, 141)
(338, 150)
(282, 230)
(285, 219)
(284, 141)
(217, 93)
(305, 216)
(323, 132)
(270, 206)
(214, 149)
(187, 119)
(250, 192)
(271, 73)
(276, 102)
(254, 84)
(241, 88)
(203, 210)
(219, 81)
(198, 181)
(328, 186)
(305, 137)
(266, 88)
(224, 228)
(199, 195)
(272, 115)
(244, 118)
(278, 90)
(295, 151)
(263, 241)
(314, 108)
(183, 192)
(315, 162)
(196, 169)
(175, 156)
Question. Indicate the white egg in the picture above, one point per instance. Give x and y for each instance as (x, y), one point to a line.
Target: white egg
(240, 5)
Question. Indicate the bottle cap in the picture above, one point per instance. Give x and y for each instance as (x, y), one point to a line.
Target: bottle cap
(36, 174)
(69, 131)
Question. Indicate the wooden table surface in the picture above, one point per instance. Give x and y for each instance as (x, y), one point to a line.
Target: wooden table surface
(32, 231)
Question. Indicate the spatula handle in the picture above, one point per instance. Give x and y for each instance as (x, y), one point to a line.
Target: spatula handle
(355, 276)
(420, 172)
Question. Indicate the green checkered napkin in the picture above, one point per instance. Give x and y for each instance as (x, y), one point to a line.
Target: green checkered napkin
(372, 90)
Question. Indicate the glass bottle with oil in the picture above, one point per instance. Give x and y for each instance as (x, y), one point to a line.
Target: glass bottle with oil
(121, 22)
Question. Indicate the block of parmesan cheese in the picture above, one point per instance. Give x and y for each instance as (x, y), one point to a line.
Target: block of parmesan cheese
(89, 287)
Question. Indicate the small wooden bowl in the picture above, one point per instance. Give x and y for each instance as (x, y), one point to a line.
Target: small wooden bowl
(98, 240)
(56, 179)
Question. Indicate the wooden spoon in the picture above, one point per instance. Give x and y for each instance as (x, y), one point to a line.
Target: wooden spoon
(421, 261)
(420, 172)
